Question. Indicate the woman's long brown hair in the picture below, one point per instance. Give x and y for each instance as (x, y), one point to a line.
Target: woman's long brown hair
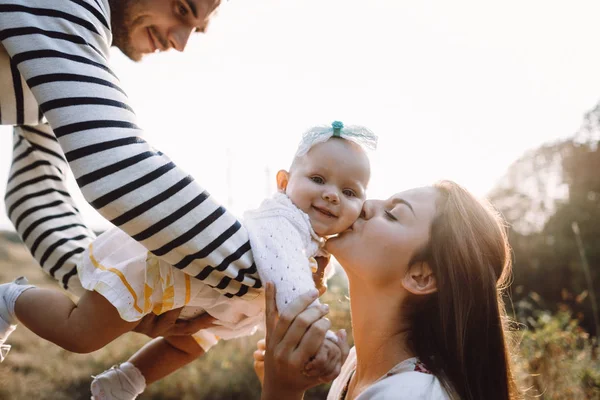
(460, 332)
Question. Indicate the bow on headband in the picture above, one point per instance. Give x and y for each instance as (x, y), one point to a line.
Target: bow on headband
(354, 133)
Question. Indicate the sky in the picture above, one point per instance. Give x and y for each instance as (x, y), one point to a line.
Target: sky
(455, 90)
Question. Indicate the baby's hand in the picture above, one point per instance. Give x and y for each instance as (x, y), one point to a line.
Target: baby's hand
(329, 359)
(319, 274)
(259, 360)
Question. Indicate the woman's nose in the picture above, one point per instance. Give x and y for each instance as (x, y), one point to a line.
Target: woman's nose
(369, 209)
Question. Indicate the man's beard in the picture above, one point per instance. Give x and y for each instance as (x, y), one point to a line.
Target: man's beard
(123, 20)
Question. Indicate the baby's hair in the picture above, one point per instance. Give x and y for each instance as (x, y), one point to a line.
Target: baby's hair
(360, 135)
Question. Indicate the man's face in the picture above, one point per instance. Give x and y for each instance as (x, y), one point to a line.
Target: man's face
(145, 26)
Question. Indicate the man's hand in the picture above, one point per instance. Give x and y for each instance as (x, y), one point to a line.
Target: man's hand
(167, 324)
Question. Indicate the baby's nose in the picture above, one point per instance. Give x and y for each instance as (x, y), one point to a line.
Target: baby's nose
(331, 197)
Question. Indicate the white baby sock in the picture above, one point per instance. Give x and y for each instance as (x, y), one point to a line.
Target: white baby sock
(137, 380)
(10, 292)
(122, 382)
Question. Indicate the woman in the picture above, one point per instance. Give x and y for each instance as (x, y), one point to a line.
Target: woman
(426, 270)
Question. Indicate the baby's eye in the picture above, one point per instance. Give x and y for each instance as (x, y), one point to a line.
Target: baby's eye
(349, 193)
(317, 179)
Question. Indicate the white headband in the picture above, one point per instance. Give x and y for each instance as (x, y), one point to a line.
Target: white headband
(319, 134)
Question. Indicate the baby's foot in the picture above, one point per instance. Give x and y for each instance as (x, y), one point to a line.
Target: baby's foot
(7, 318)
(121, 382)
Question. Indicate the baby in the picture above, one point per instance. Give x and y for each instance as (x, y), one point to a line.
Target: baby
(321, 195)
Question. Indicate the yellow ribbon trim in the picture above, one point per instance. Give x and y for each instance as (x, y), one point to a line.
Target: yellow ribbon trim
(120, 275)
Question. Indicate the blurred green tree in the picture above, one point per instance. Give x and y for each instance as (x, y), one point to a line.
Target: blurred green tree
(541, 196)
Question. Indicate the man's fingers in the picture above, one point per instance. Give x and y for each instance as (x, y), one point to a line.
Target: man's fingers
(191, 326)
(168, 324)
(165, 321)
(153, 325)
(146, 325)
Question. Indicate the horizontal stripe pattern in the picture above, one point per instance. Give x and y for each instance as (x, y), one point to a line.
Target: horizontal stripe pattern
(40, 207)
(60, 51)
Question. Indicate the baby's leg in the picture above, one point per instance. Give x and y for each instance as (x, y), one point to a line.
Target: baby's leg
(80, 328)
(162, 356)
(153, 362)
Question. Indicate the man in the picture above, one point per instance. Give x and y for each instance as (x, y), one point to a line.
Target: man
(59, 71)
(57, 88)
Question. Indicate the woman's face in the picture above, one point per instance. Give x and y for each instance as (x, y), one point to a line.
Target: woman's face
(381, 243)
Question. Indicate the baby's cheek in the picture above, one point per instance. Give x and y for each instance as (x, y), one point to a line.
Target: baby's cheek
(352, 213)
(358, 207)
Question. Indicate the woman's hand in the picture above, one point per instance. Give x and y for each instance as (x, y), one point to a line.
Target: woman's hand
(325, 365)
(328, 361)
(293, 339)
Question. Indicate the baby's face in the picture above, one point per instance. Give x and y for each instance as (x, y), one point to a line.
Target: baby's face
(329, 184)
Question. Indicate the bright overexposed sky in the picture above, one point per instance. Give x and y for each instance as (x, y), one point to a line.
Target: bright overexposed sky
(454, 89)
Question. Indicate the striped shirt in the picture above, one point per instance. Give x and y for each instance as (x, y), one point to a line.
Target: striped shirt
(57, 88)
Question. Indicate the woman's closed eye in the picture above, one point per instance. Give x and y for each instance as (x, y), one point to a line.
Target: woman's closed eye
(317, 179)
(390, 216)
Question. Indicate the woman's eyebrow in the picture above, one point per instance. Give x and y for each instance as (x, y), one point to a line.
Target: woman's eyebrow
(406, 203)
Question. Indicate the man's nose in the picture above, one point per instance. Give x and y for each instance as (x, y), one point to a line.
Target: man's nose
(179, 36)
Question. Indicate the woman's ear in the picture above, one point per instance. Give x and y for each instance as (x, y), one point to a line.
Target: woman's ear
(282, 180)
(419, 279)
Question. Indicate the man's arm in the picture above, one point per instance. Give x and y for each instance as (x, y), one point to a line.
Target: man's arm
(61, 50)
(40, 207)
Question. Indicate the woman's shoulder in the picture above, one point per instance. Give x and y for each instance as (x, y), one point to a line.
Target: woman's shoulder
(409, 379)
(406, 385)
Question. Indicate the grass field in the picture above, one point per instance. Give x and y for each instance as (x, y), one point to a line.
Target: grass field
(38, 369)
(556, 359)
